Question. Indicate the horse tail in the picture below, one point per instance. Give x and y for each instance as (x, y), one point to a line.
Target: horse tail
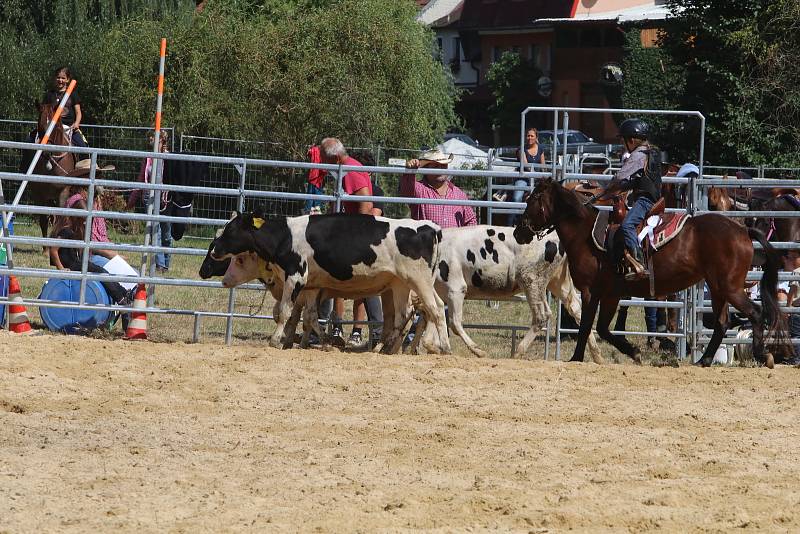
(773, 317)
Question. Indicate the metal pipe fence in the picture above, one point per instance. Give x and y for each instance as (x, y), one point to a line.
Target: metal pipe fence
(244, 180)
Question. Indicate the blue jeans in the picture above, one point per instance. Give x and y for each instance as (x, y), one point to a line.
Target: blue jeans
(635, 216)
(312, 189)
(163, 239)
(651, 319)
(516, 196)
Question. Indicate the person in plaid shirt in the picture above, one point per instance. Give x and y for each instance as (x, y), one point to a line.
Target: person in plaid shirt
(436, 186)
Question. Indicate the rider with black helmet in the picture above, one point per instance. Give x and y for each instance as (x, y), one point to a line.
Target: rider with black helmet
(645, 189)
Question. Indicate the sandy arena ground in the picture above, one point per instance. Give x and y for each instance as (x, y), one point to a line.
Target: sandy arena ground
(142, 437)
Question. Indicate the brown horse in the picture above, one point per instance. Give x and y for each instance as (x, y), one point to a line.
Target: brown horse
(50, 163)
(709, 247)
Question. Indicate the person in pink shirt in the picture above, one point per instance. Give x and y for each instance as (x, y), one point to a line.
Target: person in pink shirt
(332, 152)
(436, 186)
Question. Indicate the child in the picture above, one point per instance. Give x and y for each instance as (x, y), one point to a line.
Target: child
(71, 115)
(70, 259)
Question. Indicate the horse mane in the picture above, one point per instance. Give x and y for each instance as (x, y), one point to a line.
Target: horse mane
(571, 201)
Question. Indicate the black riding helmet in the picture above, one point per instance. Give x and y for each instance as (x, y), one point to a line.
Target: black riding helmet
(634, 129)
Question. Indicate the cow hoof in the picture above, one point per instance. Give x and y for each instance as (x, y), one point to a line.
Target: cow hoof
(275, 343)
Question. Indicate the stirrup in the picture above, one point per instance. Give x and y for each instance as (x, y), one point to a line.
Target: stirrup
(638, 272)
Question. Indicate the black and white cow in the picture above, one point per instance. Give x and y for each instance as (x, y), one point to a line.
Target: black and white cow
(345, 255)
(486, 262)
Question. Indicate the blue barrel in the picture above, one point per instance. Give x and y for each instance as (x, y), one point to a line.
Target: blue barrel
(72, 320)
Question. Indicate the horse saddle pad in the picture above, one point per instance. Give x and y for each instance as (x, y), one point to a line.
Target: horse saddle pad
(658, 230)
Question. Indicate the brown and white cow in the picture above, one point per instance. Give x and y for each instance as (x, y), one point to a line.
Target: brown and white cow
(348, 256)
(486, 262)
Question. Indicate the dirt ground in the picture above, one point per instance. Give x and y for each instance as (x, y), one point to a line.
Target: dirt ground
(114, 435)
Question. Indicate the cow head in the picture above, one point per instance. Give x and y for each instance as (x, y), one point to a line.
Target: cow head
(212, 267)
(238, 235)
(245, 267)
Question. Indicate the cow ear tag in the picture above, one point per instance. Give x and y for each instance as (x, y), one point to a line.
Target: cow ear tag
(257, 222)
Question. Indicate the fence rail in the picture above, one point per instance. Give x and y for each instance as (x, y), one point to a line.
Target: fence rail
(239, 178)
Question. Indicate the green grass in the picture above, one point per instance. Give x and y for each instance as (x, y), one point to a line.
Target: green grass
(172, 328)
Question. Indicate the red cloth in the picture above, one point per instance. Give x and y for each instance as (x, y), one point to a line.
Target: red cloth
(352, 182)
(315, 176)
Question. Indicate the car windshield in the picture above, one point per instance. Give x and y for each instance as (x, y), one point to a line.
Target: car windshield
(577, 137)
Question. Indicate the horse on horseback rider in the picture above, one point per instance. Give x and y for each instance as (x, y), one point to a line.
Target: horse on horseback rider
(707, 247)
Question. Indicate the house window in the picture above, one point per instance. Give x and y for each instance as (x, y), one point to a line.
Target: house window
(457, 55)
(592, 37)
(439, 50)
(567, 38)
(497, 51)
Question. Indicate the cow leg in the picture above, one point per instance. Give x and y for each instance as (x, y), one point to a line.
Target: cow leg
(310, 300)
(291, 291)
(290, 328)
(431, 302)
(540, 312)
(393, 340)
(564, 290)
(455, 299)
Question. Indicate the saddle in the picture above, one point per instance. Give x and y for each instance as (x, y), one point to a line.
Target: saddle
(656, 230)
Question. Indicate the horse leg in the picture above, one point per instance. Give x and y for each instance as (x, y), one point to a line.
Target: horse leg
(607, 308)
(43, 223)
(622, 319)
(752, 311)
(719, 305)
(589, 304)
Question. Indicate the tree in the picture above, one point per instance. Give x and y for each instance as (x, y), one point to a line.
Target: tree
(513, 82)
(741, 74)
(652, 80)
(284, 71)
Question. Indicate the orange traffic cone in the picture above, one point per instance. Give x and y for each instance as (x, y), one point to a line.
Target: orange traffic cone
(137, 327)
(17, 315)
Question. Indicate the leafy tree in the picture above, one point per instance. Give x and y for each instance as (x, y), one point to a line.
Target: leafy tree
(741, 74)
(652, 80)
(285, 71)
(513, 82)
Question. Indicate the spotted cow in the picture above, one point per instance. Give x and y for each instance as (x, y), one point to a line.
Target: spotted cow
(344, 255)
(486, 262)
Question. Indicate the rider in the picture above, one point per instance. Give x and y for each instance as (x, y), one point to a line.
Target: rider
(645, 190)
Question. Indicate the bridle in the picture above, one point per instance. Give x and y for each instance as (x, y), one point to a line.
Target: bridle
(525, 223)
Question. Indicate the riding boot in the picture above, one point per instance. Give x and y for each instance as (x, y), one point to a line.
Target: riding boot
(635, 260)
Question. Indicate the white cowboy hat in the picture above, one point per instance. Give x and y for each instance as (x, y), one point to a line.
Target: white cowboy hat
(435, 156)
(83, 167)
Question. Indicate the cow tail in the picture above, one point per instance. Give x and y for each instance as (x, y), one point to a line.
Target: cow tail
(773, 317)
(437, 254)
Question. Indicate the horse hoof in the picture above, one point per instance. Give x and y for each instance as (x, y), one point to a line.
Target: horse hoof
(702, 362)
(770, 363)
(576, 359)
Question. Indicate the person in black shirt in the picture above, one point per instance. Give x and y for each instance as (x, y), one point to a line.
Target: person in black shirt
(72, 114)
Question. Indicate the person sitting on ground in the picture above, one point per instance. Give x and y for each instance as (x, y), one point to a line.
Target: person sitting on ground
(636, 175)
(71, 259)
(79, 194)
(436, 186)
(72, 114)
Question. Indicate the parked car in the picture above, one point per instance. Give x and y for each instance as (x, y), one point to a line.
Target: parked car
(577, 141)
(464, 138)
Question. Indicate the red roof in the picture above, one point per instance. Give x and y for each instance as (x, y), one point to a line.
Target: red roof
(511, 13)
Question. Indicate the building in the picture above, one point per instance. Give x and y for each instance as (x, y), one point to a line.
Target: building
(572, 42)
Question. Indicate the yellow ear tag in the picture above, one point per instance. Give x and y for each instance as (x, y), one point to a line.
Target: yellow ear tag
(257, 222)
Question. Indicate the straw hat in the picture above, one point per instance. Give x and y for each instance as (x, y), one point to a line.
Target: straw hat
(83, 167)
(435, 156)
